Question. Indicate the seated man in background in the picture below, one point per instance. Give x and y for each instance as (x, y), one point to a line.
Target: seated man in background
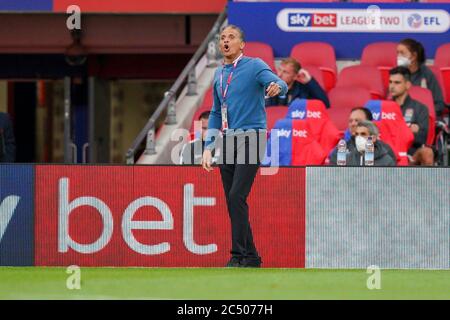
(383, 155)
(415, 115)
(308, 88)
(358, 115)
(192, 152)
(7, 141)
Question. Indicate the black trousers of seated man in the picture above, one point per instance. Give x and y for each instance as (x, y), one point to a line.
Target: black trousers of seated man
(241, 158)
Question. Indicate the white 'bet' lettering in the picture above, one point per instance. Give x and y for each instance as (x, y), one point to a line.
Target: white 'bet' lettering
(190, 201)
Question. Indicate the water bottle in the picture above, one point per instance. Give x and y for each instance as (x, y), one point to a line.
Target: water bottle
(342, 153)
(369, 154)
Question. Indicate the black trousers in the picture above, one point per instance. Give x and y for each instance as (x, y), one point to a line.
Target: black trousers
(237, 179)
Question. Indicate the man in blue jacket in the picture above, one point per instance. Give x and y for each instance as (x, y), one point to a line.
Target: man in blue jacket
(240, 87)
(7, 141)
(289, 71)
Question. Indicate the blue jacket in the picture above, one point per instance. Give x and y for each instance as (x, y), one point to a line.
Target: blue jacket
(311, 90)
(245, 97)
(7, 141)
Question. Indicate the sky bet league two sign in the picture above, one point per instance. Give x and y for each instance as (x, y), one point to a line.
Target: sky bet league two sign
(372, 19)
(348, 27)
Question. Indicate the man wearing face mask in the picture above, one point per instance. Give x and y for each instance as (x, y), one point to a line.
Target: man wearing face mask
(411, 54)
(358, 115)
(355, 156)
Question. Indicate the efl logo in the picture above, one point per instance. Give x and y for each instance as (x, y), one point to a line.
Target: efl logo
(415, 20)
(312, 20)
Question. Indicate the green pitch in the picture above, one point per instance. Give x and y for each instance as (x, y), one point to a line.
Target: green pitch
(220, 283)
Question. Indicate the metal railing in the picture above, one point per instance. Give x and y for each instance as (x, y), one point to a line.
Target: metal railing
(208, 46)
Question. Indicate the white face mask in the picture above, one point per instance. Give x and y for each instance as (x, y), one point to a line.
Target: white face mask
(360, 143)
(403, 61)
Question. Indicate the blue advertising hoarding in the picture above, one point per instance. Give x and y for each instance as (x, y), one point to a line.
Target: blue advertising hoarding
(16, 215)
(348, 27)
(26, 5)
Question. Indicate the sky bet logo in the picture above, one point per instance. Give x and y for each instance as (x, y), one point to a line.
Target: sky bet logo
(312, 20)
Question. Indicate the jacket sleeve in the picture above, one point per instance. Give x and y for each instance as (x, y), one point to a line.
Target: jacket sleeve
(333, 157)
(316, 92)
(265, 76)
(387, 161)
(214, 121)
(420, 137)
(273, 101)
(433, 86)
(9, 140)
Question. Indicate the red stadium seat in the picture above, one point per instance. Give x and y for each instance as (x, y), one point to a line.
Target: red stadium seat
(342, 101)
(275, 113)
(382, 55)
(388, 116)
(316, 73)
(321, 126)
(318, 54)
(442, 56)
(306, 150)
(260, 50)
(442, 61)
(362, 76)
(297, 146)
(426, 97)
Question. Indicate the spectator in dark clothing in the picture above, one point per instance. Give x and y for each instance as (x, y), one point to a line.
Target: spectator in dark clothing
(357, 115)
(415, 114)
(411, 54)
(384, 156)
(307, 88)
(7, 141)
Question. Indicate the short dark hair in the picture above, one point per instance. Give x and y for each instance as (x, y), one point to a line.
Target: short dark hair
(235, 27)
(415, 47)
(204, 115)
(366, 112)
(404, 71)
(373, 129)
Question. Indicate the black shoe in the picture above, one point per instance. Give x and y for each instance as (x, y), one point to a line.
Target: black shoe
(234, 262)
(251, 263)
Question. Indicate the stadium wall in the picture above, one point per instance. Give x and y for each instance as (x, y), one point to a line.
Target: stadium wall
(173, 216)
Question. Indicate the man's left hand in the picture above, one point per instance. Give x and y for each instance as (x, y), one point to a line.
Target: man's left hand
(414, 128)
(273, 89)
(304, 76)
